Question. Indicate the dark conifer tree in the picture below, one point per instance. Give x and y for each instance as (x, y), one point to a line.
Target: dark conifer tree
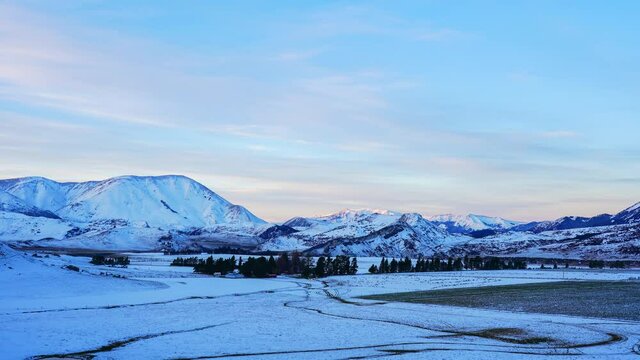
(320, 267)
(307, 267)
(353, 268)
(328, 267)
(296, 263)
(247, 267)
(406, 264)
(418, 267)
(478, 263)
(283, 263)
(393, 266)
(457, 265)
(436, 264)
(381, 267)
(261, 268)
(273, 266)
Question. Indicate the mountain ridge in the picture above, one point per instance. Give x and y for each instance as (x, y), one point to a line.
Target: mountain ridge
(176, 212)
(167, 200)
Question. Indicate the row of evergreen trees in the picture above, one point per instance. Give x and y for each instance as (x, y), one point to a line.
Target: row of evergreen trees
(599, 264)
(340, 265)
(261, 267)
(493, 263)
(190, 261)
(110, 261)
(211, 266)
(436, 264)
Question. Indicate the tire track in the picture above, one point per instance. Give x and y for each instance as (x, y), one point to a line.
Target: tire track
(111, 307)
(385, 349)
(90, 354)
(612, 337)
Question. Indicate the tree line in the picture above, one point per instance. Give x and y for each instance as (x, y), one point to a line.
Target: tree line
(296, 264)
(110, 260)
(450, 264)
(600, 264)
(261, 267)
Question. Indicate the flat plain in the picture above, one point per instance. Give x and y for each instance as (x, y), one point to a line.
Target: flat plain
(151, 310)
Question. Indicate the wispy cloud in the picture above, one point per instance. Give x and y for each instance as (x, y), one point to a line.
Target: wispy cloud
(300, 55)
(333, 106)
(336, 21)
(443, 34)
(522, 76)
(560, 134)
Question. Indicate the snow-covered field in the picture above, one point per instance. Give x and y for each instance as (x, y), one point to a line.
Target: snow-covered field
(165, 312)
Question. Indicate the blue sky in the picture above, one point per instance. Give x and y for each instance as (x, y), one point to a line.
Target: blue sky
(522, 109)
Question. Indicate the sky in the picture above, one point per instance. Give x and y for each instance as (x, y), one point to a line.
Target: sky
(527, 110)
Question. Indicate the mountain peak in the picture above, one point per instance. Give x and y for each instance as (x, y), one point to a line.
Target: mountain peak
(633, 207)
(167, 200)
(360, 212)
(471, 222)
(628, 215)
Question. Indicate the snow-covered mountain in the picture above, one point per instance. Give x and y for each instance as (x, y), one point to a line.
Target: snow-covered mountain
(409, 235)
(566, 223)
(154, 213)
(361, 232)
(604, 242)
(345, 224)
(377, 233)
(157, 201)
(100, 209)
(465, 224)
(10, 203)
(627, 216)
(630, 215)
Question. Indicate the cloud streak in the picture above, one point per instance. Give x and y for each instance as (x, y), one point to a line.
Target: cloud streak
(285, 121)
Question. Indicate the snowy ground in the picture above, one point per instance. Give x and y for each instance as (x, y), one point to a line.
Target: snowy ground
(165, 312)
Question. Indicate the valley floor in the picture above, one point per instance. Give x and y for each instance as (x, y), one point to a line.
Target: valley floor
(164, 312)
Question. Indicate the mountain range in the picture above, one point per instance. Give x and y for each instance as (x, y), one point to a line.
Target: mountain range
(176, 213)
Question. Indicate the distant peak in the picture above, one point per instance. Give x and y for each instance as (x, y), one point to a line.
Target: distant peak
(411, 217)
(151, 177)
(362, 211)
(30, 179)
(633, 207)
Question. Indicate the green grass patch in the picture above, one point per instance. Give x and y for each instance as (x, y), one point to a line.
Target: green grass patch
(601, 299)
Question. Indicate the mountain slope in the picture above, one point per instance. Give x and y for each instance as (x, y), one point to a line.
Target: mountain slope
(573, 222)
(629, 215)
(117, 212)
(383, 233)
(15, 226)
(411, 235)
(604, 242)
(10, 203)
(175, 212)
(465, 224)
(161, 201)
(41, 192)
(345, 224)
(361, 232)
